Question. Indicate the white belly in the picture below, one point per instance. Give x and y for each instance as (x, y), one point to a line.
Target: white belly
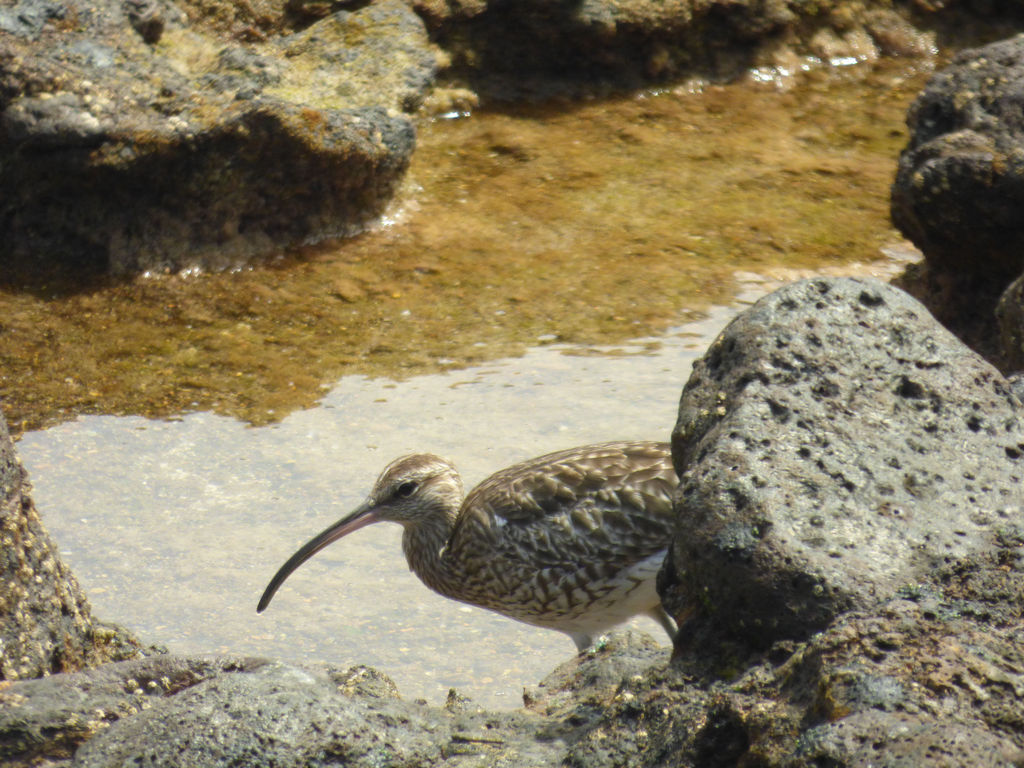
(599, 607)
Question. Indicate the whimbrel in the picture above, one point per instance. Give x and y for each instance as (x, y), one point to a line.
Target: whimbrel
(570, 541)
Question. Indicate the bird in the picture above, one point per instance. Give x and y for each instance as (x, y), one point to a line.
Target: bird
(571, 541)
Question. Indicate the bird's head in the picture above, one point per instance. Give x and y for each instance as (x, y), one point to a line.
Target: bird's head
(412, 490)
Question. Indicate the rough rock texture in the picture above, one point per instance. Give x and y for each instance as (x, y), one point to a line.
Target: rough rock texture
(929, 680)
(375, 56)
(921, 682)
(511, 49)
(132, 139)
(52, 716)
(271, 714)
(959, 196)
(1010, 316)
(167, 134)
(45, 622)
(835, 444)
(189, 712)
(959, 189)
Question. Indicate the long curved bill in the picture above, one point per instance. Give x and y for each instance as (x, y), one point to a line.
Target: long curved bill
(362, 516)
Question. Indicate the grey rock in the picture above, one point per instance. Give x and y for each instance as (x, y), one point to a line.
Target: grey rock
(262, 69)
(28, 17)
(834, 444)
(1017, 385)
(597, 674)
(55, 714)
(1010, 317)
(959, 189)
(915, 682)
(91, 54)
(855, 688)
(127, 156)
(210, 711)
(273, 715)
(899, 740)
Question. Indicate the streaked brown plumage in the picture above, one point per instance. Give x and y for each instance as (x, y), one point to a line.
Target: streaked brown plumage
(570, 541)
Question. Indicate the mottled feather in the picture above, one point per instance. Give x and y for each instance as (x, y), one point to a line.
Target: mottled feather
(571, 541)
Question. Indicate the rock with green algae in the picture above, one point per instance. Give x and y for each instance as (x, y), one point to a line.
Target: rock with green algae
(134, 139)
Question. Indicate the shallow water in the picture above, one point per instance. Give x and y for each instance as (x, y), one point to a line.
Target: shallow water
(174, 527)
(592, 224)
(604, 245)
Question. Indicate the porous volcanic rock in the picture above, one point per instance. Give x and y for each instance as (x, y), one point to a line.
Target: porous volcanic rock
(50, 717)
(927, 680)
(1010, 316)
(959, 188)
(46, 625)
(266, 715)
(177, 711)
(835, 444)
(959, 195)
(534, 47)
(132, 139)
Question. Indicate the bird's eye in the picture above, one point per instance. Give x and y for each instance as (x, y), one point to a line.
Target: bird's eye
(405, 490)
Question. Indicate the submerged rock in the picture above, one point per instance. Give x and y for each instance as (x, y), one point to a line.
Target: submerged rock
(834, 445)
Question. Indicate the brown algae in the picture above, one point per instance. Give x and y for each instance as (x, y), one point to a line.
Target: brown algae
(588, 224)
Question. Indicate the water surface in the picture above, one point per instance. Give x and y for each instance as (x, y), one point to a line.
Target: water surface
(175, 527)
(546, 281)
(590, 224)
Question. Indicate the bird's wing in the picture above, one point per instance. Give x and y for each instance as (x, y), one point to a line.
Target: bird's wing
(601, 504)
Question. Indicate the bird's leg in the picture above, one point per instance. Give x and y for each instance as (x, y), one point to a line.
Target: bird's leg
(583, 641)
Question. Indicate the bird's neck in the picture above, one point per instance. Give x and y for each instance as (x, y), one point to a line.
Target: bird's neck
(424, 545)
